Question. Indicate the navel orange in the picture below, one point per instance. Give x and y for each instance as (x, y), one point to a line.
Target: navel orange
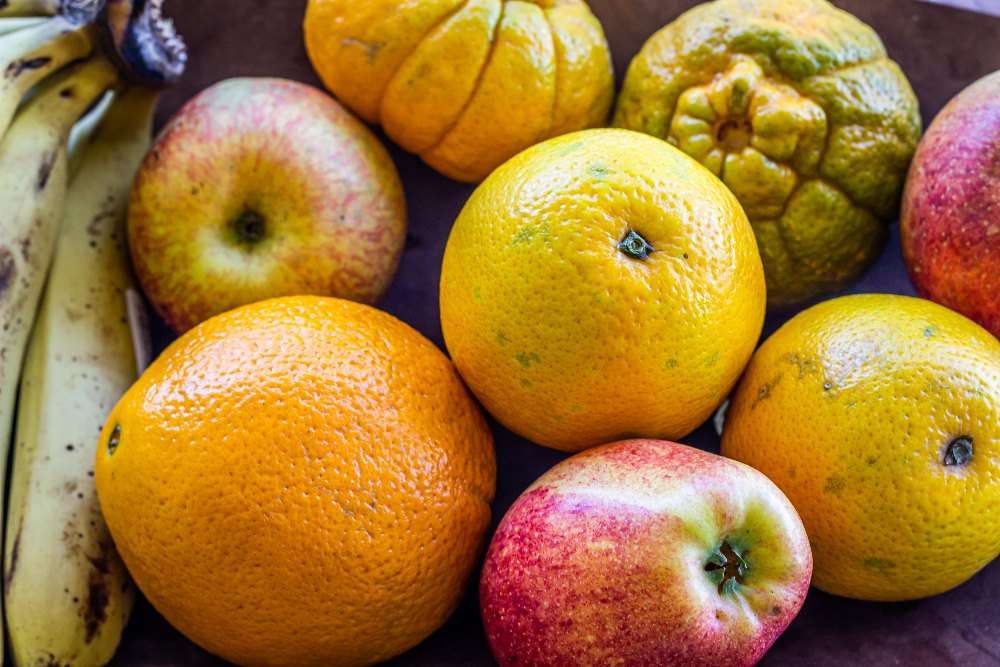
(599, 286)
(879, 417)
(302, 481)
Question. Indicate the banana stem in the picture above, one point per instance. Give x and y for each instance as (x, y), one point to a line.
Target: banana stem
(144, 42)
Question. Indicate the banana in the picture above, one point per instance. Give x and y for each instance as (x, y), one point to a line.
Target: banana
(29, 7)
(68, 598)
(29, 56)
(10, 25)
(33, 174)
(83, 132)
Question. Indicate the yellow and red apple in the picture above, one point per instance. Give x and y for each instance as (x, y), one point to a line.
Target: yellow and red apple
(644, 553)
(259, 188)
(950, 222)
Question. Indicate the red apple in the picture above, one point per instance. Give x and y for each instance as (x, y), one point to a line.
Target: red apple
(260, 188)
(644, 553)
(951, 206)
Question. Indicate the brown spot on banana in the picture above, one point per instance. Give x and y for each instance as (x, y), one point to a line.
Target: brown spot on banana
(15, 553)
(20, 66)
(95, 607)
(100, 563)
(8, 269)
(45, 170)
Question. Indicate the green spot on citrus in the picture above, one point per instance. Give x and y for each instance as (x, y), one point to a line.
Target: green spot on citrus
(834, 485)
(880, 564)
(527, 359)
(599, 171)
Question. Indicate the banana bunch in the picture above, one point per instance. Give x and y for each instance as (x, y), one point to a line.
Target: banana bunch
(67, 593)
(65, 338)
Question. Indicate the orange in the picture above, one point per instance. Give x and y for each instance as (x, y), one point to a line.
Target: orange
(797, 107)
(465, 84)
(879, 417)
(302, 481)
(601, 286)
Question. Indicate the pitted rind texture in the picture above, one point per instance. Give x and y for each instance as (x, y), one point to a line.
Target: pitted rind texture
(303, 481)
(568, 340)
(850, 408)
(466, 84)
(830, 124)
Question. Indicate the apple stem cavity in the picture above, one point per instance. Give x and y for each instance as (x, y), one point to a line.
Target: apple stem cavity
(726, 567)
(959, 451)
(148, 49)
(635, 246)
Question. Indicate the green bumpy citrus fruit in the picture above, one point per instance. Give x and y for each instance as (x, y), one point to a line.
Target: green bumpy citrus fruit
(795, 105)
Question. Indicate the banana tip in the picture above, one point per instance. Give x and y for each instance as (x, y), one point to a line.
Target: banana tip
(145, 42)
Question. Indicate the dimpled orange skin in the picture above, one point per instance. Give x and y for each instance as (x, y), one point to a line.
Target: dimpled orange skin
(465, 84)
(569, 341)
(850, 409)
(302, 481)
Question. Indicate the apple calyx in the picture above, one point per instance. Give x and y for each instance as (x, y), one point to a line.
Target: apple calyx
(726, 567)
(146, 46)
(635, 246)
(250, 228)
(959, 451)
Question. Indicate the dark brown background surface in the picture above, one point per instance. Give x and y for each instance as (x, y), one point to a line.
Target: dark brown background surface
(941, 50)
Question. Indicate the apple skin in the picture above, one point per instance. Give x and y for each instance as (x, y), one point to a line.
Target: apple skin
(259, 188)
(602, 562)
(950, 221)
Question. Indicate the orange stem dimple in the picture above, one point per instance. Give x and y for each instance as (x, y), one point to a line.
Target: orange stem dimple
(734, 134)
(114, 439)
(635, 246)
(959, 451)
